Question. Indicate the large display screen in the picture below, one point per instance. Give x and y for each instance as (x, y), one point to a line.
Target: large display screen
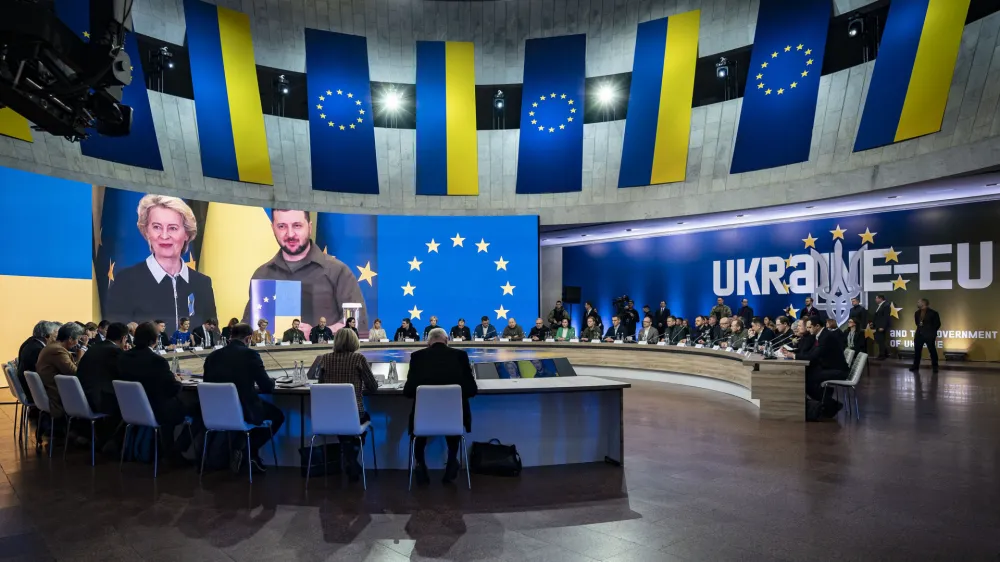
(161, 257)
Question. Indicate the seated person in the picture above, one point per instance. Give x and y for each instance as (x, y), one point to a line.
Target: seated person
(99, 366)
(591, 332)
(713, 327)
(439, 364)
(321, 333)
(825, 354)
(854, 338)
(724, 330)
(42, 335)
(616, 332)
(182, 335)
(239, 364)
(485, 330)
(352, 323)
(565, 332)
(162, 340)
(377, 333)
(261, 334)
(57, 359)
(760, 334)
(143, 365)
(207, 335)
(513, 332)
(783, 332)
(294, 334)
(406, 331)
(346, 365)
(701, 334)
(737, 335)
(461, 332)
(540, 332)
(226, 331)
(431, 326)
(681, 331)
(648, 332)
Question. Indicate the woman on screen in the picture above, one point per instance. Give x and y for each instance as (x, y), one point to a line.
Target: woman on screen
(162, 285)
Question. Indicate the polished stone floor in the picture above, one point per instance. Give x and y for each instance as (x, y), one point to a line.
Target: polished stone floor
(915, 479)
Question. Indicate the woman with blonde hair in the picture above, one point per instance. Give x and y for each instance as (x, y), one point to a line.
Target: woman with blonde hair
(346, 365)
(162, 285)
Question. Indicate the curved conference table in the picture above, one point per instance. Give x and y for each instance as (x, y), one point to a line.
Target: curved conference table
(560, 420)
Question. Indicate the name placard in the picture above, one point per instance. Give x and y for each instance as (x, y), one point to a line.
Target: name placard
(525, 339)
(286, 343)
(478, 339)
(261, 344)
(217, 347)
(619, 341)
(384, 340)
(310, 343)
(550, 340)
(661, 343)
(407, 339)
(574, 340)
(198, 348)
(644, 342)
(504, 339)
(698, 346)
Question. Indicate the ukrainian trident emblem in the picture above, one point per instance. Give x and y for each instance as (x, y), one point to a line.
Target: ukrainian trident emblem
(838, 280)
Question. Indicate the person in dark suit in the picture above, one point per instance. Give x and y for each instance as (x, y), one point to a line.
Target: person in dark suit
(826, 362)
(928, 323)
(460, 331)
(853, 337)
(439, 364)
(616, 332)
(143, 365)
(226, 332)
(241, 365)
(881, 319)
(660, 318)
(162, 285)
(590, 312)
(746, 312)
(810, 311)
(761, 334)
(207, 335)
(99, 366)
(42, 335)
(858, 313)
(831, 325)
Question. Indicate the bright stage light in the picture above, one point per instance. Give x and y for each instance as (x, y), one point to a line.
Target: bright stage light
(605, 94)
(392, 101)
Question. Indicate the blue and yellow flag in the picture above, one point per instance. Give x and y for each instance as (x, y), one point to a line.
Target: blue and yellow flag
(140, 147)
(779, 104)
(658, 124)
(278, 302)
(341, 124)
(14, 125)
(226, 99)
(353, 240)
(447, 154)
(550, 149)
(916, 60)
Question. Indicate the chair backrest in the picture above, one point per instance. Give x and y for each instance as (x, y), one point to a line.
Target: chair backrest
(849, 356)
(74, 401)
(438, 410)
(38, 393)
(134, 404)
(10, 373)
(334, 410)
(220, 406)
(856, 369)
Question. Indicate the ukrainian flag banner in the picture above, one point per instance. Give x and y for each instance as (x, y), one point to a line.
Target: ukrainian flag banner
(447, 154)
(140, 147)
(278, 302)
(779, 104)
(658, 125)
(341, 124)
(226, 99)
(916, 60)
(550, 149)
(14, 125)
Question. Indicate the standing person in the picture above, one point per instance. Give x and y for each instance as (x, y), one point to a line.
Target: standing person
(660, 318)
(293, 334)
(556, 315)
(162, 285)
(485, 330)
(439, 364)
(810, 311)
(745, 312)
(327, 283)
(513, 332)
(720, 309)
(377, 333)
(590, 312)
(928, 323)
(346, 365)
(881, 320)
(858, 313)
(630, 319)
(321, 333)
(239, 364)
(460, 331)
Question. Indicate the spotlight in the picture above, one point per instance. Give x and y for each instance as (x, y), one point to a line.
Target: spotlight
(856, 25)
(499, 111)
(498, 104)
(392, 100)
(281, 84)
(722, 68)
(166, 57)
(160, 60)
(606, 94)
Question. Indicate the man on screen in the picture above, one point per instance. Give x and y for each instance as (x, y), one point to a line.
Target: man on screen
(327, 282)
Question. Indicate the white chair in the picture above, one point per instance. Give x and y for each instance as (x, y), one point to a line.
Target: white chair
(41, 398)
(75, 403)
(136, 411)
(849, 356)
(20, 420)
(850, 386)
(221, 411)
(334, 411)
(438, 412)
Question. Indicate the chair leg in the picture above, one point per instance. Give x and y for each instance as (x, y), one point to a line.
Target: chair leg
(846, 401)
(204, 451)
(121, 462)
(374, 456)
(16, 404)
(411, 464)
(326, 461)
(857, 409)
(93, 444)
(309, 466)
(465, 455)
(52, 433)
(156, 451)
(249, 464)
(69, 420)
(361, 448)
(274, 449)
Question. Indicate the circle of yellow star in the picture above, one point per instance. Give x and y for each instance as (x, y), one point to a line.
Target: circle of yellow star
(788, 261)
(329, 93)
(350, 95)
(788, 48)
(767, 92)
(893, 311)
(330, 123)
(414, 263)
(760, 86)
(457, 240)
(341, 127)
(781, 91)
(508, 289)
(407, 289)
(482, 245)
(799, 47)
(792, 311)
(867, 237)
(415, 313)
(322, 98)
(552, 129)
(786, 287)
(501, 312)
(805, 73)
(794, 84)
(562, 126)
(366, 273)
(763, 65)
(501, 264)
(352, 125)
(319, 106)
(892, 255)
(899, 283)
(86, 34)
(838, 233)
(432, 246)
(810, 241)
(759, 76)
(869, 333)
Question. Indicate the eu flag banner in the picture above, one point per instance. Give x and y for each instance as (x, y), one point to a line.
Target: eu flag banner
(231, 132)
(458, 267)
(447, 153)
(140, 147)
(550, 149)
(341, 124)
(658, 125)
(278, 302)
(913, 71)
(352, 239)
(779, 104)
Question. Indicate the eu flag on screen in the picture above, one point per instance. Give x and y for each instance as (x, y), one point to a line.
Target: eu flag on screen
(140, 147)
(779, 103)
(458, 267)
(274, 300)
(550, 149)
(352, 239)
(341, 125)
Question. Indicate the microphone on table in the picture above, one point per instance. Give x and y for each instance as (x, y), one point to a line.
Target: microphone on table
(276, 362)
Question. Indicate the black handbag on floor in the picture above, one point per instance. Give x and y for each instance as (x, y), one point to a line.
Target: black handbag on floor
(495, 458)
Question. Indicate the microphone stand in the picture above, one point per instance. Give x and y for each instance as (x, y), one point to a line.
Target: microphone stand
(276, 362)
